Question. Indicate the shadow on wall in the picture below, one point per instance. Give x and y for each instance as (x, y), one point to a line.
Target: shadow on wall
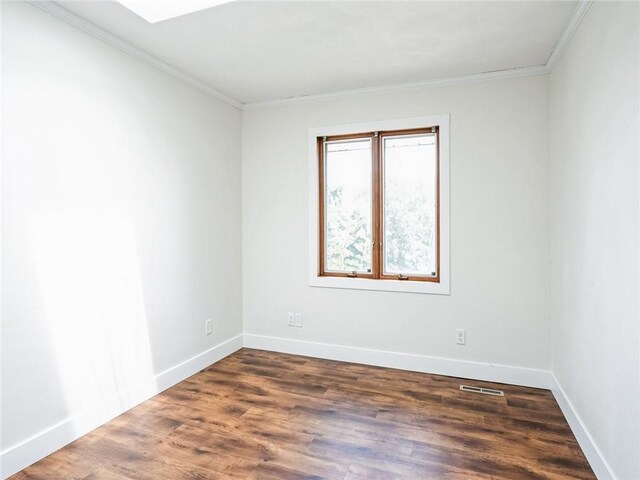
(88, 273)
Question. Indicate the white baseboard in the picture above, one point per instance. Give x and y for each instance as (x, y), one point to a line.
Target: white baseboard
(189, 367)
(20, 456)
(599, 465)
(488, 372)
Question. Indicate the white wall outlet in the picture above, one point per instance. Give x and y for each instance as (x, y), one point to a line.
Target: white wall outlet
(461, 336)
(291, 319)
(298, 320)
(208, 326)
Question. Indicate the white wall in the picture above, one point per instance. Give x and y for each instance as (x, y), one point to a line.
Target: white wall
(499, 218)
(594, 230)
(121, 222)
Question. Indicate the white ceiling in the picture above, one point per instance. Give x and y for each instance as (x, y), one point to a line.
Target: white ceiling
(256, 51)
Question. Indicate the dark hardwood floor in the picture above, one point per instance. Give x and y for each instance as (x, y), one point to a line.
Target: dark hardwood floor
(263, 415)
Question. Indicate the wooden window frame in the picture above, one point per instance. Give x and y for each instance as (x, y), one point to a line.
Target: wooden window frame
(377, 204)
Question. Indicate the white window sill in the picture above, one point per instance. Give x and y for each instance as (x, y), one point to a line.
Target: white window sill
(405, 286)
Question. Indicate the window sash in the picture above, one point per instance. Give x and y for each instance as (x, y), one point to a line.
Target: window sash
(384, 274)
(325, 206)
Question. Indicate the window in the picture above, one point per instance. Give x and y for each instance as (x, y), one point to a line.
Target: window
(379, 205)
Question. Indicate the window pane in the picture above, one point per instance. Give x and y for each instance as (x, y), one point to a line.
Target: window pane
(409, 176)
(348, 206)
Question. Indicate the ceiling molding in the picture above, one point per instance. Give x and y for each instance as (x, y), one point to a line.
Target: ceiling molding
(79, 22)
(567, 34)
(462, 79)
(95, 31)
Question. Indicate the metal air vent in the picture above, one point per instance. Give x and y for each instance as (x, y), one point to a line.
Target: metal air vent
(486, 391)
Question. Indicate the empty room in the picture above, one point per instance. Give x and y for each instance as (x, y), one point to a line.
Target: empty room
(324, 240)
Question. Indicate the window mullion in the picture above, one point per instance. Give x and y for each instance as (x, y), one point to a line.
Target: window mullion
(377, 206)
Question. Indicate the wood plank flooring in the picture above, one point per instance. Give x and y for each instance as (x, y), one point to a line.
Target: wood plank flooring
(264, 415)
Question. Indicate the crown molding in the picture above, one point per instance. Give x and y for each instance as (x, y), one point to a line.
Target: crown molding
(77, 21)
(568, 32)
(462, 79)
(95, 31)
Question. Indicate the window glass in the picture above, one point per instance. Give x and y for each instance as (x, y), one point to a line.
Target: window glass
(409, 205)
(348, 206)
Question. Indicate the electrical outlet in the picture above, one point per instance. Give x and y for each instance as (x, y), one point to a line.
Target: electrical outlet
(461, 336)
(291, 319)
(298, 320)
(208, 326)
